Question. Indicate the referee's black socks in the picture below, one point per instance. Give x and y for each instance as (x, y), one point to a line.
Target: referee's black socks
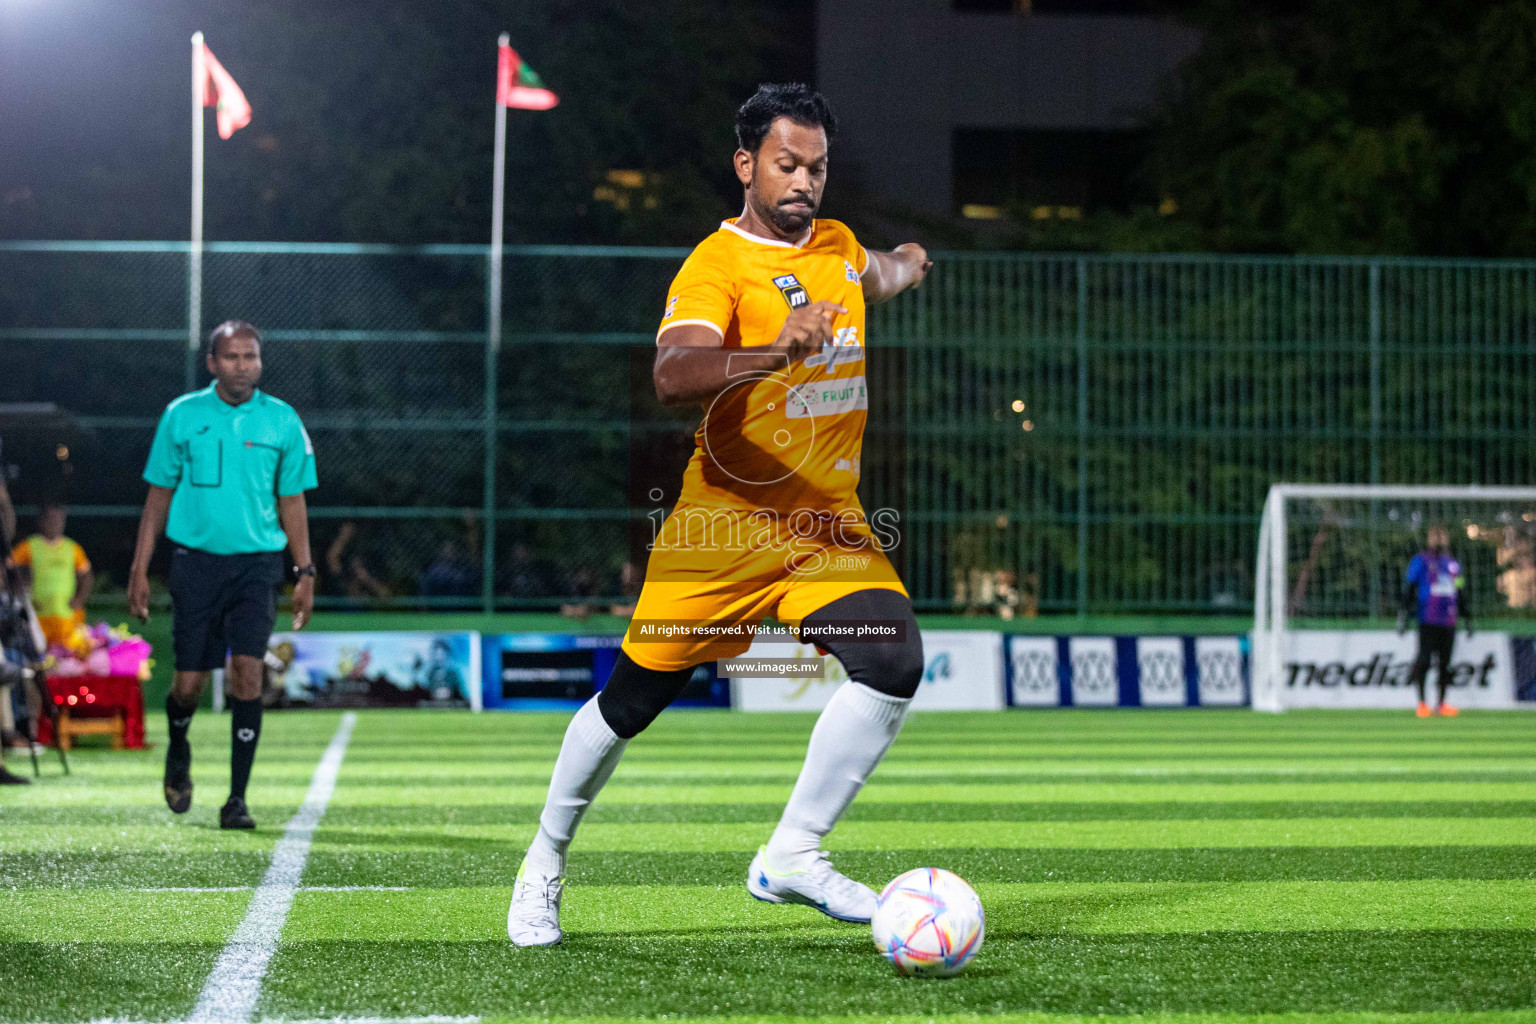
(244, 732)
(178, 720)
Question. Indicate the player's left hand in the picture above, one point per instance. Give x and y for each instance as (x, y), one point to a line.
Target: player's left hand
(916, 257)
(303, 601)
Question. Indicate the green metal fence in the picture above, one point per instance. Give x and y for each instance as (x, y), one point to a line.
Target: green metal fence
(1103, 427)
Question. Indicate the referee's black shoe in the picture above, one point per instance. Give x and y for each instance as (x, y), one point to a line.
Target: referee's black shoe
(178, 781)
(234, 815)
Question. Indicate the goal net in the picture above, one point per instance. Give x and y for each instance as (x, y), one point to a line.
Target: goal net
(1329, 575)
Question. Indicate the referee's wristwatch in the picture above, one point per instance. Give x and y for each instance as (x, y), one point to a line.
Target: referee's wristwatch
(300, 571)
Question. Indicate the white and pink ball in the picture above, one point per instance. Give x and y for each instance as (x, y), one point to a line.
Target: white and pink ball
(929, 923)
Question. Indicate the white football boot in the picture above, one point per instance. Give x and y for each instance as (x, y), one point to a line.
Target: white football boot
(533, 919)
(821, 886)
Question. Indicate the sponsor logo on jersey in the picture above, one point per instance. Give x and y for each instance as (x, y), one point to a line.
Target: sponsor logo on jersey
(793, 291)
(846, 339)
(671, 308)
(827, 398)
(850, 273)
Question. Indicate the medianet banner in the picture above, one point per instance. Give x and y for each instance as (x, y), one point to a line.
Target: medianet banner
(1370, 669)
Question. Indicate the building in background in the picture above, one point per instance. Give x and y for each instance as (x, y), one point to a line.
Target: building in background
(973, 107)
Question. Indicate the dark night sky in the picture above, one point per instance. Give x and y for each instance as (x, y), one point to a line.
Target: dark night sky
(95, 99)
(373, 118)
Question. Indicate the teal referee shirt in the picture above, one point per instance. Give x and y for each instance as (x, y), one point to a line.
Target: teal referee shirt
(227, 464)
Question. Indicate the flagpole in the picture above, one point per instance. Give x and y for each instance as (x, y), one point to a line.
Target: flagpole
(493, 344)
(195, 254)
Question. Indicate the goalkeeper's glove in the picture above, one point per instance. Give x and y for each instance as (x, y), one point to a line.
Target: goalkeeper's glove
(1402, 623)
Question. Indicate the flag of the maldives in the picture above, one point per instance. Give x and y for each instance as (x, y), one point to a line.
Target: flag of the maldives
(231, 110)
(518, 85)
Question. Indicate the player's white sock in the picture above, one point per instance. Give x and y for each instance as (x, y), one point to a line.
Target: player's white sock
(850, 738)
(588, 756)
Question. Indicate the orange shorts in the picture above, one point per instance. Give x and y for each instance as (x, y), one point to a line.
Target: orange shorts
(723, 576)
(58, 629)
(724, 605)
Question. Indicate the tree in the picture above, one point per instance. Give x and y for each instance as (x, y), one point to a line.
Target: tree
(1399, 126)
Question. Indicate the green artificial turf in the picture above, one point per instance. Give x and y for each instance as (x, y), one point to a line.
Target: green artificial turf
(1180, 868)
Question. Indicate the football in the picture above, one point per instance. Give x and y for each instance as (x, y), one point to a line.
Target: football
(929, 923)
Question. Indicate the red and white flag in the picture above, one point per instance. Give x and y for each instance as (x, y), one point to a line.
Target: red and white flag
(231, 109)
(517, 85)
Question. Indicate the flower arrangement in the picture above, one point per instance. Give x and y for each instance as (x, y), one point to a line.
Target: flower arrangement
(101, 650)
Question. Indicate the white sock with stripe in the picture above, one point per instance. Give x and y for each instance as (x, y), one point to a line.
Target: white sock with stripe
(588, 756)
(850, 738)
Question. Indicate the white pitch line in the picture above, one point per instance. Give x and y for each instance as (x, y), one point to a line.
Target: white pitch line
(248, 888)
(433, 1019)
(230, 993)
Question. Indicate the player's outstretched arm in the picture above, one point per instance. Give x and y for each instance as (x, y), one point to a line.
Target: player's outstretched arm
(692, 367)
(891, 273)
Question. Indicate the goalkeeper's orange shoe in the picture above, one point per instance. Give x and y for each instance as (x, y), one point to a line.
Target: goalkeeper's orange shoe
(1423, 711)
(1449, 711)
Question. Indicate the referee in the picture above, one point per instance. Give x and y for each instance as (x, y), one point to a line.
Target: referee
(227, 474)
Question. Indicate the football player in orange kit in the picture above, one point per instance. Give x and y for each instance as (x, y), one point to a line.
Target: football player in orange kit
(764, 329)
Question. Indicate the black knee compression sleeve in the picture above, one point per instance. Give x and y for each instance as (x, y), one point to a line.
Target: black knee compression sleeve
(635, 695)
(893, 667)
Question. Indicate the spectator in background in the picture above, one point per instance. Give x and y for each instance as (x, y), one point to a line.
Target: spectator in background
(523, 575)
(57, 572)
(631, 579)
(1518, 582)
(583, 584)
(1029, 596)
(453, 573)
(348, 571)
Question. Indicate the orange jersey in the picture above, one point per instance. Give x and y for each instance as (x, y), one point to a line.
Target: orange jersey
(788, 440)
(769, 521)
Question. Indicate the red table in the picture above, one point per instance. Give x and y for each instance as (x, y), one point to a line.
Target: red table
(99, 697)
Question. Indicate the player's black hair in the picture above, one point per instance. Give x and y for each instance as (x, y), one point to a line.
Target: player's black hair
(794, 100)
(230, 329)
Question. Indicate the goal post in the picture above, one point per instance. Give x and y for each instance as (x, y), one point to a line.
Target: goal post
(1331, 559)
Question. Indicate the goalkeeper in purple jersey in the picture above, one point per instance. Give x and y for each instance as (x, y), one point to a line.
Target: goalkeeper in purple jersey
(1435, 591)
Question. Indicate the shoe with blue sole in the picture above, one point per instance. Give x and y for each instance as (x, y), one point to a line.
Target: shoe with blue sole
(820, 886)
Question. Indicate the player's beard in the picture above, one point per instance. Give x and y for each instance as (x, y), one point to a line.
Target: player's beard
(789, 222)
(792, 222)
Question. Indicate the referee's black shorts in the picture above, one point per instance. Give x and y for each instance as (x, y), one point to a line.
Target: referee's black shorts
(222, 603)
